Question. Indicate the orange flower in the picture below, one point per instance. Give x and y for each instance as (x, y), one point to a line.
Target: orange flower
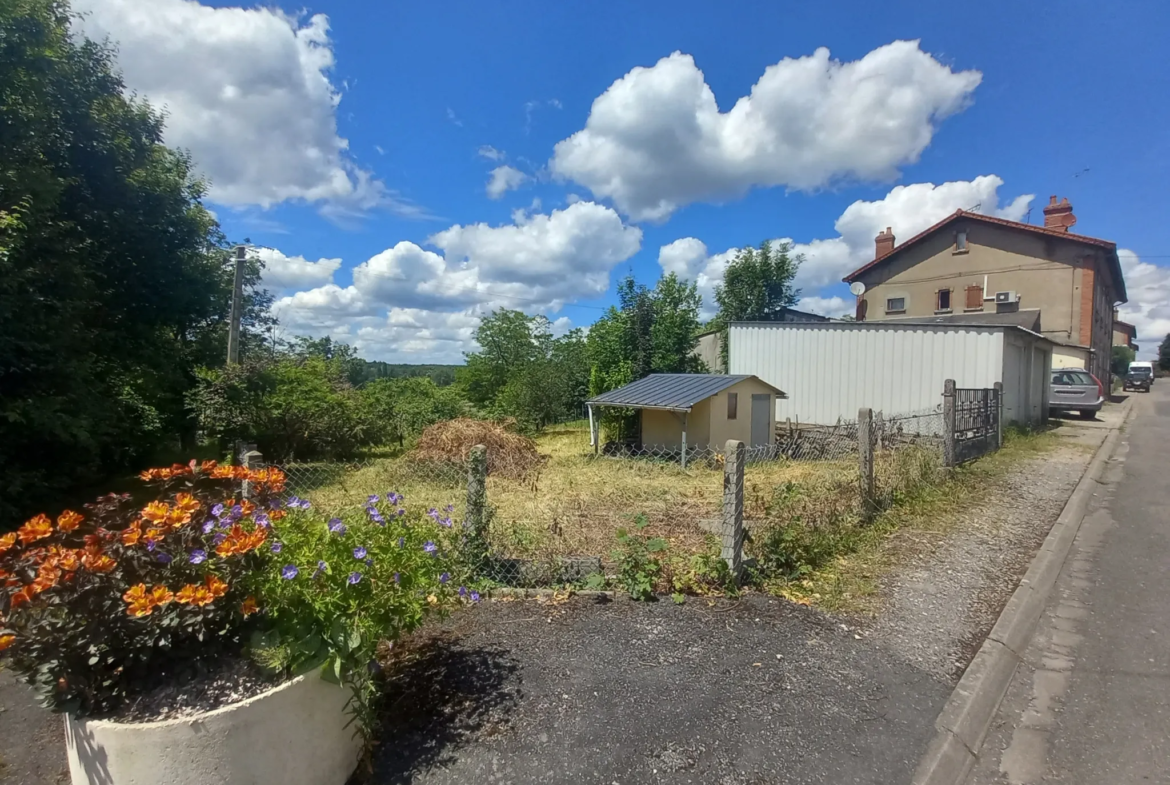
(47, 577)
(221, 472)
(186, 595)
(249, 606)
(216, 587)
(208, 466)
(140, 609)
(7, 541)
(70, 559)
(247, 507)
(186, 502)
(35, 529)
(23, 596)
(176, 518)
(150, 474)
(155, 512)
(101, 563)
(276, 515)
(6, 641)
(132, 533)
(202, 597)
(93, 549)
(136, 593)
(69, 520)
(161, 595)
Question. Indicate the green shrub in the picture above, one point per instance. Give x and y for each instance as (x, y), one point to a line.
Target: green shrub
(638, 560)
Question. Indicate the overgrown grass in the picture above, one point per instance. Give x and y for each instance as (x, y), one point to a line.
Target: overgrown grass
(847, 561)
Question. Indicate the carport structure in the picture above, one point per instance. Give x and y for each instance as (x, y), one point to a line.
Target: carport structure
(694, 410)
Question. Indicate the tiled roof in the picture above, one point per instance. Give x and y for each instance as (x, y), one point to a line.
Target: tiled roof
(674, 391)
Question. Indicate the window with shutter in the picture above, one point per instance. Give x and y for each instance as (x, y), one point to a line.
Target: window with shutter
(974, 297)
(944, 300)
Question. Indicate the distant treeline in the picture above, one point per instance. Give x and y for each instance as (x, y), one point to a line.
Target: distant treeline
(442, 375)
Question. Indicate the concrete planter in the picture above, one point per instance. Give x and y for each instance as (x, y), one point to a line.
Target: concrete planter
(293, 734)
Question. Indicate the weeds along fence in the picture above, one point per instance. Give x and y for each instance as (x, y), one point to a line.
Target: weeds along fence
(552, 513)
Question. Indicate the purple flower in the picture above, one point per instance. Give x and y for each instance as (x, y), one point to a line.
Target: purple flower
(289, 571)
(321, 567)
(378, 519)
(401, 512)
(305, 504)
(354, 577)
(219, 537)
(373, 498)
(198, 556)
(208, 525)
(429, 547)
(359, 552)
(396, 577)
(236, 513)
(450, 508)
(444, 577)
(475, 596)
(277, 546)
(401, 541)
(217, 510)
(151, 545)
(446, 522)
(274, 503)
(433, 513)
(370, 561)
(165, 558)
(294, 501)
(336, 526)
(262, 520)
(462, 591)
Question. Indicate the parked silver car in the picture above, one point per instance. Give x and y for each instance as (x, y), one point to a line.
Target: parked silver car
(1075, 390)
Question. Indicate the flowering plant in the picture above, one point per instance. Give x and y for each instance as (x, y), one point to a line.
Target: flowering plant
(338, 588)
(100, 606)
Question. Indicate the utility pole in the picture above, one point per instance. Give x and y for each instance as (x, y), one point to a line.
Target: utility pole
(233, 357)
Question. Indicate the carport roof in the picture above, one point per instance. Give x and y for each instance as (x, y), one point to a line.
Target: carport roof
(673, 391)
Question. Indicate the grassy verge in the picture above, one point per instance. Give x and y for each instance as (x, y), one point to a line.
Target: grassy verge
(847, 582)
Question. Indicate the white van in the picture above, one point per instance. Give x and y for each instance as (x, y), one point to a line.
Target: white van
(1146, 368)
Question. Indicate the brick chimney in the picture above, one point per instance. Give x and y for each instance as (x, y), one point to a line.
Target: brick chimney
(883, 243)
(1059, 215)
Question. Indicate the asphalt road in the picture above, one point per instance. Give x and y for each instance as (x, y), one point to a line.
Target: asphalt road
(1091, 704)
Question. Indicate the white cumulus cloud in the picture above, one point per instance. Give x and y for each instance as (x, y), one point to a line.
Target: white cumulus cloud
(247, 91)
(503, 179)
(1148, 309)
(907, 209)
(536, 263)
(283, 273)
(655, 140)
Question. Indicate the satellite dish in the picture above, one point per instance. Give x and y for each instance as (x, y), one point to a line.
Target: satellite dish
(857, 288)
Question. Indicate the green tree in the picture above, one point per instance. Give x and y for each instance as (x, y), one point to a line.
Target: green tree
(757, 287)
(398, 410)
(653, 331)
(508, 342)
(1164, 354)
(1122, 357)
(114, 280)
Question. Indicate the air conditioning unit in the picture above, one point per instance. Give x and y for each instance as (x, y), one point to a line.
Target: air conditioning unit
(1006, 297)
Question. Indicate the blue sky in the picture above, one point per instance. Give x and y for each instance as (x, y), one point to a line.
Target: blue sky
(355, 143)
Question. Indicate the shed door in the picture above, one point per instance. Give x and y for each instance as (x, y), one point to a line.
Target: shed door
(761, 419)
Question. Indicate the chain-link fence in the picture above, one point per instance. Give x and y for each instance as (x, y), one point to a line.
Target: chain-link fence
(555, 506)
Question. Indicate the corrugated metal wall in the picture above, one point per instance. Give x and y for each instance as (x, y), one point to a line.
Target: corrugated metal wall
(830, 371)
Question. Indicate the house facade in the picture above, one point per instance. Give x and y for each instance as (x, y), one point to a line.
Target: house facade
(1124, 334)
(970, 263)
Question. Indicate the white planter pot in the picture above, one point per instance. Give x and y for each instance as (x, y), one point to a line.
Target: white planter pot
(293, 734)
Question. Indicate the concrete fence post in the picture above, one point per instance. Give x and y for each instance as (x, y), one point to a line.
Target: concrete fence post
(731, 529)
(476, 515)
(949, 423)
(252, 459)
(998, 415)
(865, 443)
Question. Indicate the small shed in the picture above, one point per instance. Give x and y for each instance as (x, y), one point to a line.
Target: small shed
(696, 411)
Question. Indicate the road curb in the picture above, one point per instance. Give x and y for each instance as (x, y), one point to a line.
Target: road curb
(967, 715)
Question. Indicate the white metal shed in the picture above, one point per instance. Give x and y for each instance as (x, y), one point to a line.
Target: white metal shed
(830, 370)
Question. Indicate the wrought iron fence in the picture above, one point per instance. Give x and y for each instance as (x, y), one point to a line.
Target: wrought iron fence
(972, 421)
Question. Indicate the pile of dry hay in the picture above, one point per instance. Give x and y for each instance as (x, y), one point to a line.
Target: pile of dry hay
(509, 454)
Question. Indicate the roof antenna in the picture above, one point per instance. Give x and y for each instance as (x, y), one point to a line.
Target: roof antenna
(1028, 216)
(978, 206)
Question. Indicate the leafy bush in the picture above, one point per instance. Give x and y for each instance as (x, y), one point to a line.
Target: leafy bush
(397, 410)
(291, 407)
(638, 560)
(102, 606)
(338, 588)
